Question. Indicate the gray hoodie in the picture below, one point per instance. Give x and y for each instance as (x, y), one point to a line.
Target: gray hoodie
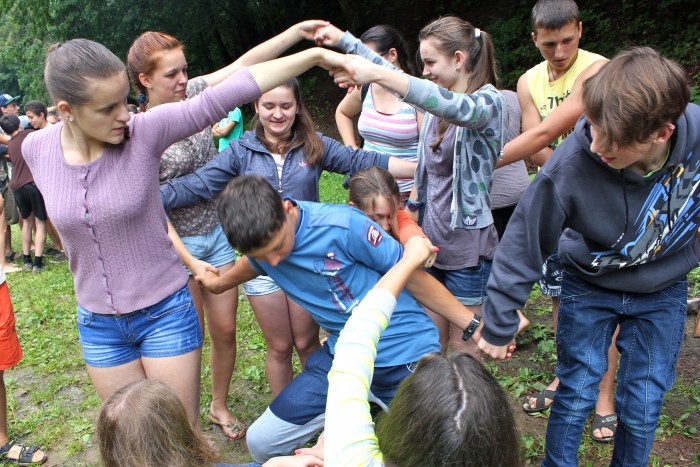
(613, 228)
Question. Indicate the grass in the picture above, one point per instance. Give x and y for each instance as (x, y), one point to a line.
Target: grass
(52, 402)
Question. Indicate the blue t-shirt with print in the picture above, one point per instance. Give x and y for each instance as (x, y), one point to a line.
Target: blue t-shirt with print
(339, 255)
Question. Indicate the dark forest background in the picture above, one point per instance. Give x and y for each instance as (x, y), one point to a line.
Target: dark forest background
(216, 32)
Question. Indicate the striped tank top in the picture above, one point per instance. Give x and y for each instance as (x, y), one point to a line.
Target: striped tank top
(394, 134)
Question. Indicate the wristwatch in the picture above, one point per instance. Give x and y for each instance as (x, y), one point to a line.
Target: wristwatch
(469, 332)
(413, 205)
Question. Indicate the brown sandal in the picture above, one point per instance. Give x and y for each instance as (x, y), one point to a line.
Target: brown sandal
(235, 430)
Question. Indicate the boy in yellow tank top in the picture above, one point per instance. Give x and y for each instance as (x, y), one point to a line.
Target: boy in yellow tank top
(543, 88)
(556, 85)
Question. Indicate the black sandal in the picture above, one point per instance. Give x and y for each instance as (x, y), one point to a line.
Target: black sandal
(603, 421)
(26, 454)
(540, 401)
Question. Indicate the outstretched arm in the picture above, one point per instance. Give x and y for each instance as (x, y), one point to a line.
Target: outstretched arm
(268, 50)
(557, 123)
(271, 74)
(349, 435)
(240, 272)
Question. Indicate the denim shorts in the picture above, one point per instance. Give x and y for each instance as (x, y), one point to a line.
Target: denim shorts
(552, 276)
(261, 285)
(166, 329)
(468, 285)
(212, 247)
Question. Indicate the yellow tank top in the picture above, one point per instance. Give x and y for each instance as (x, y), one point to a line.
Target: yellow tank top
(547, 95)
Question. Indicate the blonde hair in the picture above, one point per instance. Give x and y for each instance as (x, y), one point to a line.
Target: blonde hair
(144, 424)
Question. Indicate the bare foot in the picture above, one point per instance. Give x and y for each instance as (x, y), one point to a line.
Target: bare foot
(9, 268)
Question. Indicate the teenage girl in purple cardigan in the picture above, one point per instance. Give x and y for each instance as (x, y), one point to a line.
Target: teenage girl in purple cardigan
(98, 172)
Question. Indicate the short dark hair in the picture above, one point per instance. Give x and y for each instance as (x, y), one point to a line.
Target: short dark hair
(36, 107)
(9, 123)
(635, 94)
(451, 411)
(554, 14)
(250, 211)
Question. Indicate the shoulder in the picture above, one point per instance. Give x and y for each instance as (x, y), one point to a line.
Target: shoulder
(537, 74)
(321, 215)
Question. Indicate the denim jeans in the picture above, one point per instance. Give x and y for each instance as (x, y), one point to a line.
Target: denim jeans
(651, 332)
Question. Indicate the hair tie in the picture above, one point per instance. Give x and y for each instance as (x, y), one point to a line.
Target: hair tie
(141, 98)
(477, 33)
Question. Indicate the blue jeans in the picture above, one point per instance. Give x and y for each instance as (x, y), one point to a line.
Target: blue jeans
(651, 332)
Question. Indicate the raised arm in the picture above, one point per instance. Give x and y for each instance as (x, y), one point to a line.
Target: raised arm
(349, 435)
(268, 50)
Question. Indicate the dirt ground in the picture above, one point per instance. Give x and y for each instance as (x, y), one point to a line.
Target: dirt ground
(676, 450)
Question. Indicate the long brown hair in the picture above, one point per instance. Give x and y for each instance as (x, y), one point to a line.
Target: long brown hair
(144, 424)
(143, 58)
(303, 133)
(451, 411)
(453, 34)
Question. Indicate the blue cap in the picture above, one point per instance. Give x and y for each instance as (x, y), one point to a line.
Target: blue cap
(6, 99)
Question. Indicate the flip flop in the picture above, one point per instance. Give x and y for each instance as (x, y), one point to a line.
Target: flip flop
(235, 430)
(604, 421)
(540, 402)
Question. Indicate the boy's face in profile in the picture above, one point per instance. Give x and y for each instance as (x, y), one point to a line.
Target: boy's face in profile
(37, 121)
(559, 46)
(282, 242)
(637, 157)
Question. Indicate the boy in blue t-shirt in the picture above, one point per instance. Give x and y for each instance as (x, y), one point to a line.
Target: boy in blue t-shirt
(326, 258)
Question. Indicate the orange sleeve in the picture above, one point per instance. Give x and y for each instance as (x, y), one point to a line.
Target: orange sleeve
(407, 227)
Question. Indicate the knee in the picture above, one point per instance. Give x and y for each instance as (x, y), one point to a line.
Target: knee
(279, 350)
(306, 345)
(223, 333)
(259, 442)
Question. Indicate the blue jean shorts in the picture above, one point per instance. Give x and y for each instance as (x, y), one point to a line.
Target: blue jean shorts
(212, 247)
(468, 285)
(166, 329)
(261, 285)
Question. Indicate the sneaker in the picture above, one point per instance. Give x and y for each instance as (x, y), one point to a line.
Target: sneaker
(58, 257)
(37, 269)
(27, 267)
(52, 252)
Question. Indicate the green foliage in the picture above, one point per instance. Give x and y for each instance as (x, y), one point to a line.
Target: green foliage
(216, 33)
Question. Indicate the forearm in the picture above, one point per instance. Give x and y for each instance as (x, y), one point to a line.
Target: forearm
(529, 142)
(401, 168)
(241, 272)
(272, 73)
(433, 295)
(272, 48)
(346, 128)
(182, 251)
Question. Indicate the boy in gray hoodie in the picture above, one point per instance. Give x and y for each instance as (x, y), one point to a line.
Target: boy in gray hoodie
(621, 202)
